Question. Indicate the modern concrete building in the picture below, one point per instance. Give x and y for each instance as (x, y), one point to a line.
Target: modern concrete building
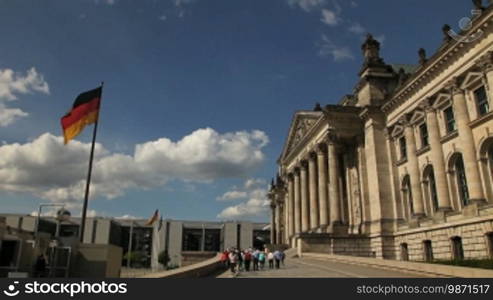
(186, 242)
(401, 168)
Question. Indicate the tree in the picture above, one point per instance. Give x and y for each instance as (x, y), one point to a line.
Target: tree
(163, 258)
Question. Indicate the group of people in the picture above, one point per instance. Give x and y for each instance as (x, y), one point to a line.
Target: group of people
(242, 260)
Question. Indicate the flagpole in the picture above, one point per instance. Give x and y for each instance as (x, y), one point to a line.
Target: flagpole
(88, 182)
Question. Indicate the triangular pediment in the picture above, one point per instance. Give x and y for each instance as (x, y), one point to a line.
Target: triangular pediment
(442, 100)
(417, 117)
(397, 131)
(471, 78)
(303, 122)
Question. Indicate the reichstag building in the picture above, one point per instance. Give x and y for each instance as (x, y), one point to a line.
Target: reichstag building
(402, 168)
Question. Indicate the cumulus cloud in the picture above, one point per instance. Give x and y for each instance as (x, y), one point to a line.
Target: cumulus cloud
(255, 205)
(356, 28)
(13, 84)
(307, 5)
(232, 195)
(329, 48)
(329, 17)
(48, 169)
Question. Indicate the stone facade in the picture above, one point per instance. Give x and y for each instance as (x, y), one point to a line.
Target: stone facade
(403, 167)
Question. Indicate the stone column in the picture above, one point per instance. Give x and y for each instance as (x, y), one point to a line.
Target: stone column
(305, 205)
(322, 187)
(278, 223)
(412, 160)
(334, 196)
(297, 201)
(313, 185)
(467, 143)
(438, 159)
(273, 224)
(291, 205)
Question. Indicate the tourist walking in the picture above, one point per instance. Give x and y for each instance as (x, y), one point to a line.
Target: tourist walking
(255, 255)
(224, 258)
(247, 260)
(277, 258)
(233, 261)
(270, 259)
(261, 260)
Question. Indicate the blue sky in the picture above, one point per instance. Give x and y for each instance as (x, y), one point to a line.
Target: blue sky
(215, 81)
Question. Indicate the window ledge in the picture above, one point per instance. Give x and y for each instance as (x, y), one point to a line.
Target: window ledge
(450, 136)
(481, 120)
(423, 150)
(401, 161)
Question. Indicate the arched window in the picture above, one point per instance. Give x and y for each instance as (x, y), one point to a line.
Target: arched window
(460, 175)
(458, 179)
(430, 187)
(490, 160)
(486, 166)
(407, 197)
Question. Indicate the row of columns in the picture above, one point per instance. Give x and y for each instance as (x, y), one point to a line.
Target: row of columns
(310, 186)
(468, 150)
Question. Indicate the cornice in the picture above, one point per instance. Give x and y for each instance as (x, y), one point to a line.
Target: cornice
(438, 62)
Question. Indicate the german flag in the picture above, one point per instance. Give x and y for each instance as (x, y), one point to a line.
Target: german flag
(85, 111)
(153, 218)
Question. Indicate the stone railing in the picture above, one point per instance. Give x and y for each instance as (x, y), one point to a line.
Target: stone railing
(201, 269)
(434, 270)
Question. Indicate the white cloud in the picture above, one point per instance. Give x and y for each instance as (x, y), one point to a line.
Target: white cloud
(232, 195)
(10, 115)
(163, 17)
(48, 169)
(128, 217)
(251, 182)
(179, 3)
(256, 205)
(308, 5)
(356, 28)
(13, 84)
(354, 4)
(329, 17)
(338, 53)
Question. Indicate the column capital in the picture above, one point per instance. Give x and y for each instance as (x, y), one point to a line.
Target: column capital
(404, 120)
(312, 155)
(331, 138)
(485, 62)
(303, 165)
(454, 86)
(427, 105)
(321, 149)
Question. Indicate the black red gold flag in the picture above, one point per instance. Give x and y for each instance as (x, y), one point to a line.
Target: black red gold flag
(85, 111)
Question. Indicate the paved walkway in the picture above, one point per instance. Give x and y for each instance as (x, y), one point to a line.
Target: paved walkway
(319, 268)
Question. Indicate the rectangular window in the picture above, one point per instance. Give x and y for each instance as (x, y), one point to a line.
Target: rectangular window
(457, 250)
(481, 101)
(423, 130)
(427, 250)
(489, 238)
(449, 119)
(402, 146)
